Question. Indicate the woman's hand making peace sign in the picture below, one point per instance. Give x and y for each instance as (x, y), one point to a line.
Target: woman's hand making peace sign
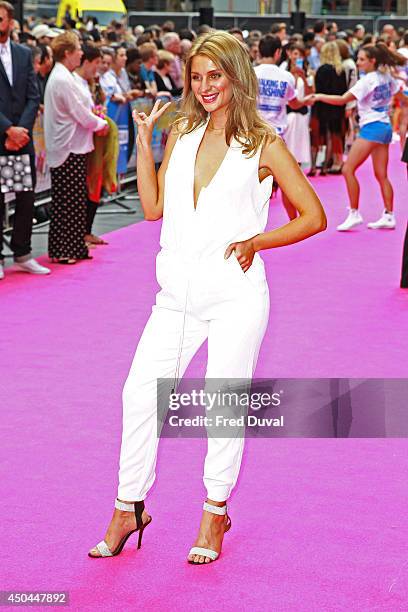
(145, 123)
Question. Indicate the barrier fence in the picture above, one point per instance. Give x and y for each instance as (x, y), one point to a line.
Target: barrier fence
(225, 21)
(119, 113)
(126, 168)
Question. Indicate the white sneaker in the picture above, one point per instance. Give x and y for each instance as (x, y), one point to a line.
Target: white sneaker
(33, 267)
(1, 271)
(386, 221)
(353, 218)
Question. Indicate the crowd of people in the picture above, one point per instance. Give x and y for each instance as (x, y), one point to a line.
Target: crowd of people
(317, 89)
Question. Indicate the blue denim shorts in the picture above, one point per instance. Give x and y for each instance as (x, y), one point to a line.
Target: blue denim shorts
(377, 131)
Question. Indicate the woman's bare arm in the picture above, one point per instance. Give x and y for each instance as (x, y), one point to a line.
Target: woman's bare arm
(292, 181)
(311, 220)
(334, 100)
(151, 185)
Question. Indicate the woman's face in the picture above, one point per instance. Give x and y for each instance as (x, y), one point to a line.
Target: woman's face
(106, 63)
(166, 67)
(154, 59)
(294, 55)
(73, 58)
(364, 63)
(120, 59)
(209, 84)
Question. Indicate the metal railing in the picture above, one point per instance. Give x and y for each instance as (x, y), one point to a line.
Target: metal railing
(251, 21)
(248, 21)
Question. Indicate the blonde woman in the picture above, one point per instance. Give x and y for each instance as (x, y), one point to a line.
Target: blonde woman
(328, 124)
(162, 76)
(212, 191)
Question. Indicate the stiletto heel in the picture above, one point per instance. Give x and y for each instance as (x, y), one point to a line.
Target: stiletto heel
(207, 552)
(139, 542)
(137, 508)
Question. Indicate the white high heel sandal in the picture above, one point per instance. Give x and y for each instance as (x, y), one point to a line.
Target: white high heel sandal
(137, 508)
(207, 552)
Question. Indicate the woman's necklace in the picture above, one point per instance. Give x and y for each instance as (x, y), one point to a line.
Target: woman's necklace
(216, 130)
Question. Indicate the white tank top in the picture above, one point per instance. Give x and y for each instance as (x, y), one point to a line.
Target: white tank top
(233, 207)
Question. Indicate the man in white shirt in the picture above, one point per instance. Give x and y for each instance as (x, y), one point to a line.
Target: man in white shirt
(91, 63)
(82, 75)
(277, 89)
(19, 102)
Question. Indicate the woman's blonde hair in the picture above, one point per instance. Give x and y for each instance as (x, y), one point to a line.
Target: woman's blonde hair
(66, 42)
(244, 123)
(165, 57)
(330, 54)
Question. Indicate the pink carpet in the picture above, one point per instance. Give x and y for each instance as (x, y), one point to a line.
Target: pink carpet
(318, 524)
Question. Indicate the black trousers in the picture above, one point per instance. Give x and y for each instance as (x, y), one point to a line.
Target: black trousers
(66, 236)
(131, 140)
(23, 220)
(91, 208)
(404, 274)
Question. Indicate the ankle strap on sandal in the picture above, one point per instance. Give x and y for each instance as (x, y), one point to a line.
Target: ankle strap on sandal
(124, 506)
(215, 509)
(136, 507)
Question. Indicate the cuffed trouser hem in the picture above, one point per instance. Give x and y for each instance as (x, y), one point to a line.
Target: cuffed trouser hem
(219, 494)
(22, 258)
(135, 493)
(129, 499)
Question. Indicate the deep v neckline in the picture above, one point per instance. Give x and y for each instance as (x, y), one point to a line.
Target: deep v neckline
(200, 140)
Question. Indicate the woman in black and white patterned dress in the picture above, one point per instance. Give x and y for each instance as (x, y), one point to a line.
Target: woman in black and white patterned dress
(69, 126)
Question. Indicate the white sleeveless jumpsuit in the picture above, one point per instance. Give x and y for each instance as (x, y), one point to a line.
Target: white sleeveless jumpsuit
(202, 296)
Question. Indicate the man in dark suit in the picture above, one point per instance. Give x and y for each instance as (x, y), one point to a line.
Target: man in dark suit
(19, 102)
